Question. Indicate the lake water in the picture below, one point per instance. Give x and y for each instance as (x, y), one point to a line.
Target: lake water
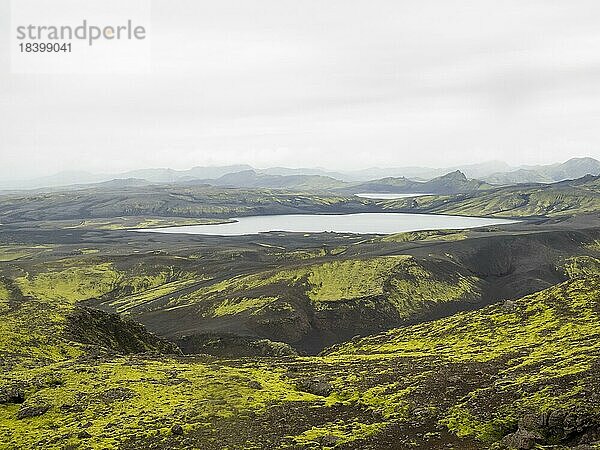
(362, 223)
(384, 196)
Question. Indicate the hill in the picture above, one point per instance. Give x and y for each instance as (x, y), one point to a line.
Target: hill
(252, 179)
(581, 196)
(571, 169)
(450, 183)
(514, 374)
(135, 198)
(477, 339)
(123, 199)
(493, 172)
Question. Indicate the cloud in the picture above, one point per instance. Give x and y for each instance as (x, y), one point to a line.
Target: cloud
(341, 84)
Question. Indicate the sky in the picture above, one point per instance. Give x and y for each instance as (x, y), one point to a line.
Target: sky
(338, 84)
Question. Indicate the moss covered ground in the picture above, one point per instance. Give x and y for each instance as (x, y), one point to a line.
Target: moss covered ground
(466, 381)
(401, 281)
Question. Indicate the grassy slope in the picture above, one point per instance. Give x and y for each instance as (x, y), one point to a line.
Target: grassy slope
(401, 278)
(114, 399)
(560, 199)
(545, 348)
(475, 373)
(165, 201)
(35, 306)
(124, 399)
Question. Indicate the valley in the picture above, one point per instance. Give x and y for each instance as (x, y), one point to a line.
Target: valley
(452, 338)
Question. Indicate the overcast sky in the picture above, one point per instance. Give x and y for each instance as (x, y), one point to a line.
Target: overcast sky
(338, 84)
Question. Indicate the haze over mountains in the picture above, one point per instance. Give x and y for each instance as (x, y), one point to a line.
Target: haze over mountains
(402, 179)
(571, 169)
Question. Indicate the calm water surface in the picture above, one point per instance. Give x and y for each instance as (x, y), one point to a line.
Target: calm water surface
(384, 196)
(363, 223)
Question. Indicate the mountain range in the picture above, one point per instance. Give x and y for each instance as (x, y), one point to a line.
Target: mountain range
(401, 179)
(569, 170)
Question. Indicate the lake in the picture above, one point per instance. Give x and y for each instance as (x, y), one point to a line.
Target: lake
(361, 223)
(385, 196)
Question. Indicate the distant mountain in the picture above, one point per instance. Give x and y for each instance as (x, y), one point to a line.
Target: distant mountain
(520, 176)
(156, 175)
(118, 183)
(399, 179)
(478, 170)
(482, 170)
(375, 173)
(67, 178)
(389, 185)
(564, 198)
(76, 178)
(195, 173)
(572, 169)
(575, 168)
(453, 183)
(450, 183)
(302, 171)
(495, 172)
(251, 179)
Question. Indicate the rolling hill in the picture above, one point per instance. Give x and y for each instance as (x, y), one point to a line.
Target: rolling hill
(520, 373)
(450, 183)
(571, 169)
(581, 196)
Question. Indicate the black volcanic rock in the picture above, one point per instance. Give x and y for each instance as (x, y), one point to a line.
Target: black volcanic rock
(109, 330)
(32, 411)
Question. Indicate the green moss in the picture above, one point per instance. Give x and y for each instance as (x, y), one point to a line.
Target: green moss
(326, 281)
(236, 285)
(388, 400)
(77, 282)
(4, 297)
(10, 253)
(150, 397)
(33, 334)
(127, 223)
(136, 290)
(72, 284)
(513, 201)
(414, 286)
(500, 329)
(463, 423)
(475, 372)
(347, 279)
(545, 343)
(436, 235)
(89, 251)
(594, 245)
(304, 254)
(402, 282)
(582, 266)
(240, 305)
(337, 434)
